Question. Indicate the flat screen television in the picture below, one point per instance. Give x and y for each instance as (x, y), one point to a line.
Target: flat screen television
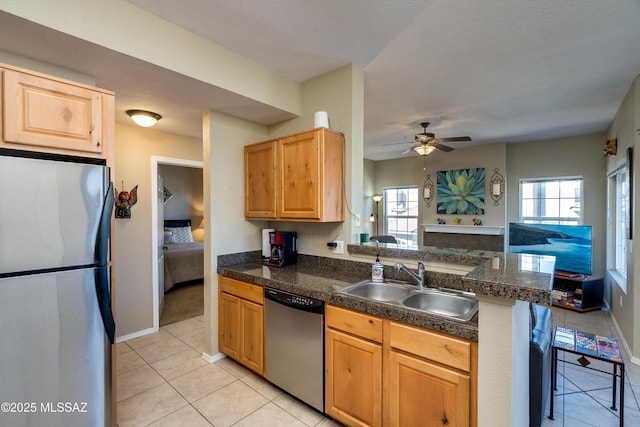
(570, 244)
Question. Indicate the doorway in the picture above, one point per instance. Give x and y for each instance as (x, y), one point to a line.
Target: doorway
(157, 219)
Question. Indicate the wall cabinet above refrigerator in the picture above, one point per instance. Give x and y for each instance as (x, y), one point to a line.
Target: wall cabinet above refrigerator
(46, 114)
(298, 177)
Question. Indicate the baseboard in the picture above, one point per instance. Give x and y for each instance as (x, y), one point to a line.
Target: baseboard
(136, 335)
(634, 360)
(213, 359)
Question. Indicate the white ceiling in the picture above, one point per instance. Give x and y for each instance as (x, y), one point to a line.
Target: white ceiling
(496, 70)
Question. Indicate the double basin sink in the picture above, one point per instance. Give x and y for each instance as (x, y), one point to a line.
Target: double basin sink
(453, 304)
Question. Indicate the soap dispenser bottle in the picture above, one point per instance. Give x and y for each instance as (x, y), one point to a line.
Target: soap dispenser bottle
(377, 270)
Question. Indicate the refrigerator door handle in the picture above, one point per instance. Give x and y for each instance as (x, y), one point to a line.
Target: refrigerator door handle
(104, 302)
(104, 227)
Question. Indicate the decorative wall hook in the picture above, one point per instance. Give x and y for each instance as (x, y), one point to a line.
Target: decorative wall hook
(427, 191)
(610, 147)
(124, 201)
(497, 186)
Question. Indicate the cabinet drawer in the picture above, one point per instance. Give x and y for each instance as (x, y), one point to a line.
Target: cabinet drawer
(240, 289)
(355, 323)
(430, 345)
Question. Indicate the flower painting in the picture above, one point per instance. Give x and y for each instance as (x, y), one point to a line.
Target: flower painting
(461, 191)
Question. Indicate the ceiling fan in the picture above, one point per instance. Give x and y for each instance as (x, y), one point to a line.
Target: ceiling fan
(427, 143)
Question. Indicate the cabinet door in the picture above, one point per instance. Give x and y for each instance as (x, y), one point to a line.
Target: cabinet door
(353, 382)
(49, 113)
(252, 333)
(229, 324)
(421, 393)
(299, 180)
(260, 180)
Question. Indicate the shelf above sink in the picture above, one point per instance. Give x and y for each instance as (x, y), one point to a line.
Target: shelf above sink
(494, 230)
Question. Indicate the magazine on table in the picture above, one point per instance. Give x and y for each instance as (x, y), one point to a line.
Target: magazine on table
(588, 344)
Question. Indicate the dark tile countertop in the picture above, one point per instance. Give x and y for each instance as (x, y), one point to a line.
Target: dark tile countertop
(321, 283)
(494, 274)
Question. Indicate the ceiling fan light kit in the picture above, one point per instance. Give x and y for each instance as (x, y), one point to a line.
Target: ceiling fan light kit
(424, 149)
(427, 143)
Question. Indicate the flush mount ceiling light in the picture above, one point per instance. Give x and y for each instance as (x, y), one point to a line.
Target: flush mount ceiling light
(144, 118)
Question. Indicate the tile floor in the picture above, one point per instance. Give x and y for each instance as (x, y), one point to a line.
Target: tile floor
(584, 397)
(163, 381)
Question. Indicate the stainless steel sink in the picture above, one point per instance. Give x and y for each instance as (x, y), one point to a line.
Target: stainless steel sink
(457, 305)
(385, 291)
(453, 304)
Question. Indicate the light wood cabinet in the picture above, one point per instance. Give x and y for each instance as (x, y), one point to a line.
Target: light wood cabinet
(383, 372)
(260, 180)
(241, 322)
(431, 378)
(302, 181)
(353, 365)
(45, 114)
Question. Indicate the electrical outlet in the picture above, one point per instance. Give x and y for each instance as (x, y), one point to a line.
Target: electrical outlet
(339, 249)
(357, 220)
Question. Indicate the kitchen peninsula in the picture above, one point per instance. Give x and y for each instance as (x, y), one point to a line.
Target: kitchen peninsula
(504, 285)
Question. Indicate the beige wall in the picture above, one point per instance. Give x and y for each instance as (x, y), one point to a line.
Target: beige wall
(132, 251)
(154, 40)
(625, 305)
(340, 94)
(410, 170)
(574, 156)
(46, 68)
(224, 138)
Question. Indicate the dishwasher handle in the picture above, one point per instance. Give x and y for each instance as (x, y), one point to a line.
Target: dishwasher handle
(297, 302)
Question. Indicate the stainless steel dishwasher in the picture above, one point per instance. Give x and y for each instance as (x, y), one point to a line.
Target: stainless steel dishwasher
(294, 345)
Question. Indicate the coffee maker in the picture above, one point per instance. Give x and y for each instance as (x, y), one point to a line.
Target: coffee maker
(284, 248)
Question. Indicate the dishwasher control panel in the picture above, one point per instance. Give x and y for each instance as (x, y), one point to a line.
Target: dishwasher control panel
(293, 300)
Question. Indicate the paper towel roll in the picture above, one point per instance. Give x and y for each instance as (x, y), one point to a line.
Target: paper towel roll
(321, 119)
(266, 246)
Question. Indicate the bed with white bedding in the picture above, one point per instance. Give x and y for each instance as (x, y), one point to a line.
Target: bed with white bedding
(183, 258)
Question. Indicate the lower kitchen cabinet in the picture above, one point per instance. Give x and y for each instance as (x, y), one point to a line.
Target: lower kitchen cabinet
(241, 322)
(422, 393)
(383, 372)
(353, 384)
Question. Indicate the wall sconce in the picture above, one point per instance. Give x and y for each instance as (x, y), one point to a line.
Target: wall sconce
(497, 186)
(427, 191)
(376, 198)
(144, 118)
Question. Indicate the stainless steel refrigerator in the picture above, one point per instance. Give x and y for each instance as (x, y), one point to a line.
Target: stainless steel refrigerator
(56, 324)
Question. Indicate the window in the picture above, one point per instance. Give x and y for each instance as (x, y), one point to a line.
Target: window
(401, 215)
(619, 189)
(551, 200)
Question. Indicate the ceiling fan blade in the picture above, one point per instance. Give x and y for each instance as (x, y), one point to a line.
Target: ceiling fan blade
(458, 138)
(441, 147)
(408, 150)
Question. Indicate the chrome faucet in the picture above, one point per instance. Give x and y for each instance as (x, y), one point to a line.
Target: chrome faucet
(417, 277)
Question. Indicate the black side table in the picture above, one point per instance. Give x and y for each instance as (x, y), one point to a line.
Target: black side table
(588, 345)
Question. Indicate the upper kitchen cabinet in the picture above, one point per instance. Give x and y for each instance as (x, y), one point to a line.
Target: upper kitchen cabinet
(296, 178)
(47, 114)
(260, 180)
